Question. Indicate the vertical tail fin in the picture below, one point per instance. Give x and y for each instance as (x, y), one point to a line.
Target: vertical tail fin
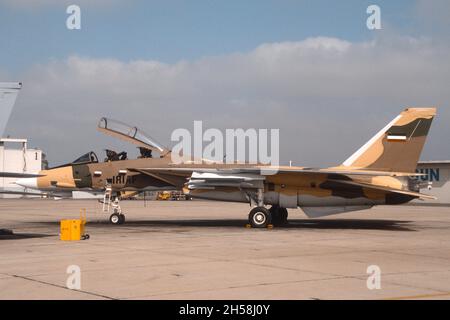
(8, 95)
(397, 147)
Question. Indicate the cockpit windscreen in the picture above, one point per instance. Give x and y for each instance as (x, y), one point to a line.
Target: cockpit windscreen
(89, 157)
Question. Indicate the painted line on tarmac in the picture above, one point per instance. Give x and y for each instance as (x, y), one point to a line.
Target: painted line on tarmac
(62, 287)
(420, 296)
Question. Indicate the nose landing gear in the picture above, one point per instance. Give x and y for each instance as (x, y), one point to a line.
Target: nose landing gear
(117, 218)
(112, 201)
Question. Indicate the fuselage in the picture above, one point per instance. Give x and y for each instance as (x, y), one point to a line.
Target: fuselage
(283, 189)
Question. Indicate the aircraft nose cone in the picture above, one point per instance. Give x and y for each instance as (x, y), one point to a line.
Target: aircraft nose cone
(27, 182)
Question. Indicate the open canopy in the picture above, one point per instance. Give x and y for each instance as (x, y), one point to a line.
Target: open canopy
(130, 134)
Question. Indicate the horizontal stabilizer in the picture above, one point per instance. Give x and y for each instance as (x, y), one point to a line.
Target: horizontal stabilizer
(317, 212)
(387, 189)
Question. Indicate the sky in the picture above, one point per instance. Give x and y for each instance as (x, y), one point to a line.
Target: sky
(310, 68)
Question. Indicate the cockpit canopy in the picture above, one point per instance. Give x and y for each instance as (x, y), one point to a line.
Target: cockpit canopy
(86, 158)
(89, 157)
(130, 134)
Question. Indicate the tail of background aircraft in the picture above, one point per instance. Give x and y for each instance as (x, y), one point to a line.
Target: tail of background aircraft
(397, 146)
(8, 95)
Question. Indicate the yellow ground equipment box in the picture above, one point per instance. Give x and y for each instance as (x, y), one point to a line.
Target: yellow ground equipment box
(73, 230)
(164, 195)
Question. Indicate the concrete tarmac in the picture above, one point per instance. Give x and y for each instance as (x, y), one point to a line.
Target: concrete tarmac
(202, 250)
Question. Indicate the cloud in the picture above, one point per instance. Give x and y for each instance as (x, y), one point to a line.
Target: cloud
(433, 13)
(326, 95)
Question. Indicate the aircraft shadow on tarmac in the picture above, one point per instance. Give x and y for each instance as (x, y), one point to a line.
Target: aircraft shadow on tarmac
(320, 224)
(9, 235)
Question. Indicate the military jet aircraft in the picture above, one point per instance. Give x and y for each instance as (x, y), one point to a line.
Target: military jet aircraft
(380, 172)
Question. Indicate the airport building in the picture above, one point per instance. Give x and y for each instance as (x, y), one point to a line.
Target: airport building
(15, 156)
(437, 175)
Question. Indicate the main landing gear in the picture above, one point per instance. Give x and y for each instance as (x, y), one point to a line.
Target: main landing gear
(260, 217)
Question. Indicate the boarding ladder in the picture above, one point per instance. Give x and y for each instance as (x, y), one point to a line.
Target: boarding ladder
(107, 198)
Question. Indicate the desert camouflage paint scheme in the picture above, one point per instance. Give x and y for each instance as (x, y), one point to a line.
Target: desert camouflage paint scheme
(378, 173)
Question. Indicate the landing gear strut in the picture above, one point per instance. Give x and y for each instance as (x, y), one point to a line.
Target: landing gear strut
(259, 217)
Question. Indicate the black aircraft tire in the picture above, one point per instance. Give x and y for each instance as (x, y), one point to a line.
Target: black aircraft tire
(259, 217)
(284, 215)
(279, 215)
(115, 219)
(276, 217)
(122, 219)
